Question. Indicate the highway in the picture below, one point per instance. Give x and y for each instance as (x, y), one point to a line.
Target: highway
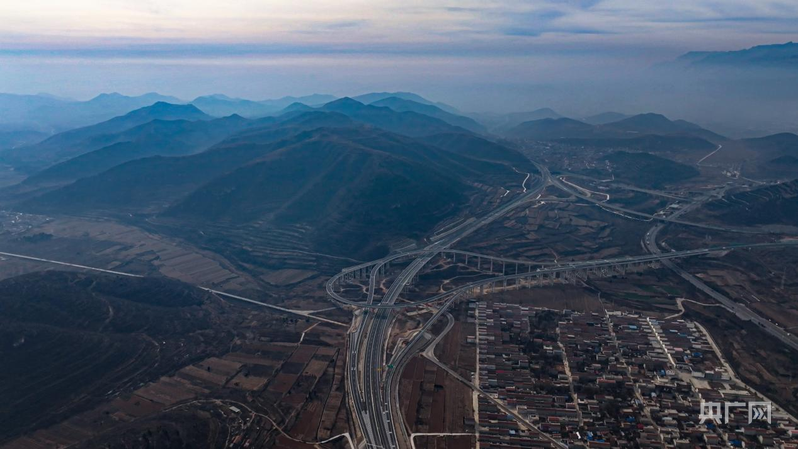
(741, 310)
(669, 219)
(369, 341)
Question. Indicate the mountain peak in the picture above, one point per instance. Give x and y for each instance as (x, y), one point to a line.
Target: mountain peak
(107, 96)
(645, 121)
(297, 106)
(345, 103)
(168, 111)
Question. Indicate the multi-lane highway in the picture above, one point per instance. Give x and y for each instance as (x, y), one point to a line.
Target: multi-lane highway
(371, 397)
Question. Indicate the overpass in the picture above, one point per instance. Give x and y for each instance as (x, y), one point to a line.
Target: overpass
(517, 273)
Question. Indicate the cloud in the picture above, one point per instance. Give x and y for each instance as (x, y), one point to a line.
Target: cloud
(181, 28)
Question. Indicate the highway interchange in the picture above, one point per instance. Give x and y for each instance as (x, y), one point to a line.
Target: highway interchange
(372, 380)
(373, 404)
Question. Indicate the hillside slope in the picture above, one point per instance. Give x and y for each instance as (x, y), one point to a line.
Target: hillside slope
(402, 105)
(408, 123)
(361, 184)
(648, 170)
(156, 138)
(771, 205)
(67, 339)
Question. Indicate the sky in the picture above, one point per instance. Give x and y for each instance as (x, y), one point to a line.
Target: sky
(513, 54)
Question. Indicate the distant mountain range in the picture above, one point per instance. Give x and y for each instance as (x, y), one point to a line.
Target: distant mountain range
(27, 119)
(634, 126)
(406, 122)
(403, 105)
(401, 117)
(762, 56)
(51, 114)
(604, 118)
(221, 105)
(364, 172)
(378, 96)
(73, 143)
(500, 123)
(158, 137)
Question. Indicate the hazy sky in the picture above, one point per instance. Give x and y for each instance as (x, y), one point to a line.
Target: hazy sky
(507, 51)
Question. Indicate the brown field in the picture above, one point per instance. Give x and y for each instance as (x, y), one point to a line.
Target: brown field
(195, 372)
(560, 296)
(432, 400)
(560, 229)
(282, 382)
(249, 383)
(445, 442)
(116, 246)
(286, 277)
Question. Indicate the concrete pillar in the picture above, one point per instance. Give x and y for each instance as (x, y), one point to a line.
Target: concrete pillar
(479, 263)
(516, 268)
